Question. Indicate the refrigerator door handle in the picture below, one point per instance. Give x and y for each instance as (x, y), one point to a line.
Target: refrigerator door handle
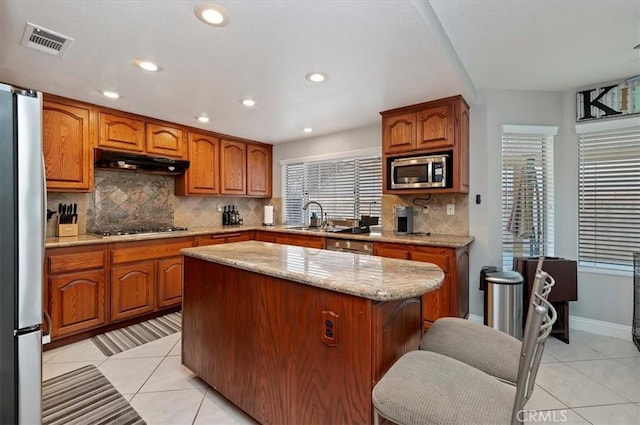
(46, 337)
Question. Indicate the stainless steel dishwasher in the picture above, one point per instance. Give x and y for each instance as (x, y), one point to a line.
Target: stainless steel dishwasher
(350, 245)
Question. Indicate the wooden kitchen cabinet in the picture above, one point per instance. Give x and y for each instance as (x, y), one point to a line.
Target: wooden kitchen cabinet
(452, 298)
(233, 167)
(203, 175)
(121, 132)
(259, 170)
(146, 276)
(436, 127)
(306, 241)
(220, 238)
(68, 137)
(75, 288)
(399, 133)
(164, 140)
(169, 275)
(132, 289)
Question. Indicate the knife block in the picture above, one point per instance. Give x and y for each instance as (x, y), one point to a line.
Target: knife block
(65, 230)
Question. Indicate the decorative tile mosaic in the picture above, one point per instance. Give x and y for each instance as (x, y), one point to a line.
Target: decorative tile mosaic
(436, 219)
(126, 200)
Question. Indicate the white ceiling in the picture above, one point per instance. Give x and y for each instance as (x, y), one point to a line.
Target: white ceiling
(379, 54)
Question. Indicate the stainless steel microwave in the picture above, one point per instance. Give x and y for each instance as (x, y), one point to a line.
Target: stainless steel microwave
(420, 172)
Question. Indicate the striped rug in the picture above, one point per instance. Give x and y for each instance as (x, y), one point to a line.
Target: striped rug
(120, 340)
(82, 397)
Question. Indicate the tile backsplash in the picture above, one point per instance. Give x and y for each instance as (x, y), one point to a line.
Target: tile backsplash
(126, 200)
(434, 219)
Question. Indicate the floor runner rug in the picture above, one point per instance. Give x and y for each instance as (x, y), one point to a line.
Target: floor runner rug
(85, 397)
(120, 340)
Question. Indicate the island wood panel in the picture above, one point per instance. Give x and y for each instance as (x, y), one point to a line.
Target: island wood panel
(274, 363)
(77, 301)
(121, 132)
(68, 136)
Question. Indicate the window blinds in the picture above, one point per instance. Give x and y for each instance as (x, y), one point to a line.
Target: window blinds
(609, 198)
(527, 196)
(346, 188)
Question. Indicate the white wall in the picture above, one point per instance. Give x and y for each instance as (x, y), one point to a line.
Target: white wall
(493, 109)
(360, 138)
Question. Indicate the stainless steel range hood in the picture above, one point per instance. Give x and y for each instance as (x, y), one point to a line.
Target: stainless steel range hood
(115, 160)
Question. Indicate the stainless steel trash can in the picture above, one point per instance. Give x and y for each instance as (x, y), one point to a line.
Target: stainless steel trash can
(503, 300)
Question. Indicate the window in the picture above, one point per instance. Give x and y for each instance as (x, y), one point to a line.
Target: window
(527, 192)
(609, 195)
(346, 188)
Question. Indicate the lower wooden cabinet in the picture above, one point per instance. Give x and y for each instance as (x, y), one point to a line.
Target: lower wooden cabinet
(169, 274)
(301, 240)
(77, 301)
(452, 298)
(132, 289)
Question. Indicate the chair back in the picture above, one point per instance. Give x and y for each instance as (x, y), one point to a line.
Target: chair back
(540, 319)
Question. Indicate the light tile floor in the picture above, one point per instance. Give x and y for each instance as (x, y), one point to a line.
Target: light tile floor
(593, 380)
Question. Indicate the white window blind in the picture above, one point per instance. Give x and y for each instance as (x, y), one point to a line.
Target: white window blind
(346, 188)
(527, 196)
(609, 198)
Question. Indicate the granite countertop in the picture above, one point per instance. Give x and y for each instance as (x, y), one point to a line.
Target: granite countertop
(374, 278)
(447, 241)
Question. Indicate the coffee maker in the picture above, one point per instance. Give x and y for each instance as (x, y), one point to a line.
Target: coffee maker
(404, 220)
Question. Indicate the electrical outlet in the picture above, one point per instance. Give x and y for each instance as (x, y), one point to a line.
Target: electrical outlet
(219, 208)
(425, 210)
(451, 209)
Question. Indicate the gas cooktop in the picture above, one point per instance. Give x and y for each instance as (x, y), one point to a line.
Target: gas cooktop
(140, 231)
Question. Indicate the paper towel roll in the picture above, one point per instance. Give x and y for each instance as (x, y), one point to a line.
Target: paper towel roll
(268, 215)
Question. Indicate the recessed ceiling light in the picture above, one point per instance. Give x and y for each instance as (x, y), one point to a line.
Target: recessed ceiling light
(316, 77)
(203, 119)
(146, 65)
(308, 130)
(212, 14)
(249, 103)
(110, 94)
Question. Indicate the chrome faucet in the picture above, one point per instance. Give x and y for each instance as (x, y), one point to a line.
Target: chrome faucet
(323, 221)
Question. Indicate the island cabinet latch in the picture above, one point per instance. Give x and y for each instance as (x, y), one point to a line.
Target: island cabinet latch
(330, 328)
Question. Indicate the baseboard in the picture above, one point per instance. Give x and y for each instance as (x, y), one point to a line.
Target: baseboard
(599, 327)
(589, 325)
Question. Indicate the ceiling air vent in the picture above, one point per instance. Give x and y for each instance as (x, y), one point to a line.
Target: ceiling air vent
(45, 40)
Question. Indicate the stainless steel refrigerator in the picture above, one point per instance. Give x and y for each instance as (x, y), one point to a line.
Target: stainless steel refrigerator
(22, 233)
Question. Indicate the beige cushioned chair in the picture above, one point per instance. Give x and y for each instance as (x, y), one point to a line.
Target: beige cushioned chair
(475, 344)
(424, 387)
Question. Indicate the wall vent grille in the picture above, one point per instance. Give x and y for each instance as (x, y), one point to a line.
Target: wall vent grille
(45, 40)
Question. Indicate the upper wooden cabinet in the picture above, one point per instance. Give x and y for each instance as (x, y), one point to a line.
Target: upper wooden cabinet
(259, 170)
(164, 140)
(203, 175)
(233, 167)
(68, 134)
(121, 132)
(440, 126)
(435, 127)
(399, 133)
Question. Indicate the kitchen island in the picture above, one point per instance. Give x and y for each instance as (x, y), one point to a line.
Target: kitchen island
(299, 335)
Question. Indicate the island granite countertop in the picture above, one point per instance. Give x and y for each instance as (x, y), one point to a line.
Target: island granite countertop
(374, 278)
(447, 241)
